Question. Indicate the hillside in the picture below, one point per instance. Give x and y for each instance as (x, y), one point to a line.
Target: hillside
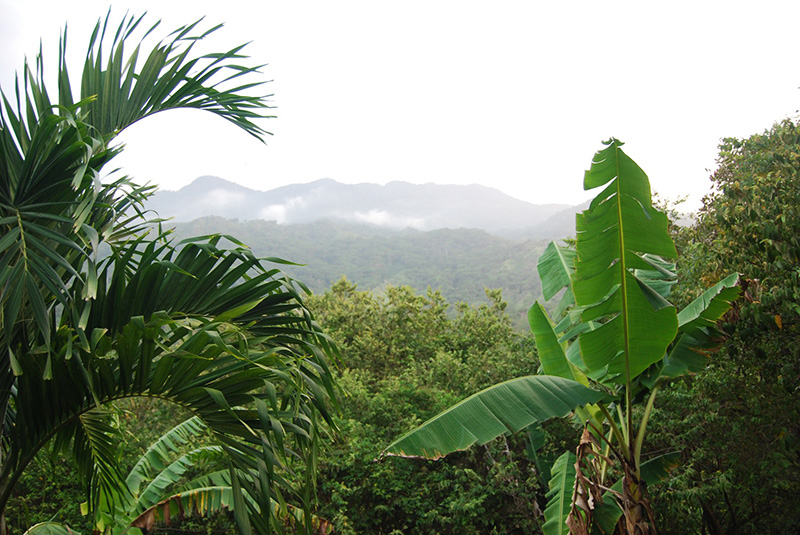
(457, 239)
(459, 262)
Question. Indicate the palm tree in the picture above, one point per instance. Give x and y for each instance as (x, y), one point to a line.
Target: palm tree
(98, 304)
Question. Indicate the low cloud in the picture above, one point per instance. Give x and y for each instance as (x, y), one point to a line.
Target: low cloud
(273, 212)
(282, 213)
(223, 198)
(382, 218)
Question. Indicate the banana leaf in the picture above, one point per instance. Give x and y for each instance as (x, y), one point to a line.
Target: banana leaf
(697, 331)
(614, 234)
(498, 410)
(559, 495)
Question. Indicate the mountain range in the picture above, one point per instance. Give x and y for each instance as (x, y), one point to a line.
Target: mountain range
(459, 240)
(396, 205)
(461, 263)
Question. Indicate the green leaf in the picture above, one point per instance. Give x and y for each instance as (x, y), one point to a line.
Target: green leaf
(50, 528)
(660, 278)
(155, 491)
(710, 306)
(16, 368)
(96, 443)
(697, 332)
(503, 408)
(555, 267)
(615, 234)
(159, 454)
(535, 442)
(551, 354)
(559, 495)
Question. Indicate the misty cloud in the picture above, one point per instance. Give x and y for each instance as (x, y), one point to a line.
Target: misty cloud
(282, 213)
(395, 206)
(224, 198)
(382, 218)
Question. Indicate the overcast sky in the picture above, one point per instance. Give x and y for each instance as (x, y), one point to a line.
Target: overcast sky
(516, 95)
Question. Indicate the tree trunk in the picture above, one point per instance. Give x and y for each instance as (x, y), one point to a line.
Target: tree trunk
(710, 520)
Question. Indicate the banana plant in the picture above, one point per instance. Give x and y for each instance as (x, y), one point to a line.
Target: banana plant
(159, 489)
(155, 484)
(618, 340)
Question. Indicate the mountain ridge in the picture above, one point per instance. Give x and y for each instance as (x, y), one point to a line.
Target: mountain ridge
(461, 263)
(395, 205)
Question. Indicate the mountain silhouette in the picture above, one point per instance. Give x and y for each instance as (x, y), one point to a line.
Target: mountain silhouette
(396, 205)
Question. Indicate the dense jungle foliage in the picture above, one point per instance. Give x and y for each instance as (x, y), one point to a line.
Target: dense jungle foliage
(737, 422)
(406, 357)
(85, 341)
(410, 359)
(460, 263)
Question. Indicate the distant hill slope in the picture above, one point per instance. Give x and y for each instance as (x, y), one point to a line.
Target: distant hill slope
(459, 262)
(397, 205)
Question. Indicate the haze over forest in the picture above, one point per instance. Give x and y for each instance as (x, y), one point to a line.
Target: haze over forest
(456, 239)
(396, 205)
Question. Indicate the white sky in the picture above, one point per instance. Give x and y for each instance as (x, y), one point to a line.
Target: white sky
(511, 94)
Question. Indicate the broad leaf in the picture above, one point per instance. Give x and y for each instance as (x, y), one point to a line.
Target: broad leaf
(172, 474)
(551, 354)
(50, 528)
(160, 454)
(559, 497)
(613, 235)
(503, 408)
(660, 277)
(556, 267)
(697, 330)
(704, 311)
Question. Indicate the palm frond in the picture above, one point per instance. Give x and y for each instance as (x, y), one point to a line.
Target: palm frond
(119, 92)
(147, 335)
(201, 324)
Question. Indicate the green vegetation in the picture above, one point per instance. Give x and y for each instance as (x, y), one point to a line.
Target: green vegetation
(461, 263)
(616, 345)
(203, 325)
(408, 358)
(145, 378)
(737, 422)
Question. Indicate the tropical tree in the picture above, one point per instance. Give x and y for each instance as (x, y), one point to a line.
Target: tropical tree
(410, 356)
(619, 341)
(738, 420)
(98, 304)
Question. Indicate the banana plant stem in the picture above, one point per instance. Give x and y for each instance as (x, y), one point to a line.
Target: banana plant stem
(637, 452)
(615, 429)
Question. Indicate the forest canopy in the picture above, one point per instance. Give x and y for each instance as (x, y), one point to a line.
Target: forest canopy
(155, 384)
